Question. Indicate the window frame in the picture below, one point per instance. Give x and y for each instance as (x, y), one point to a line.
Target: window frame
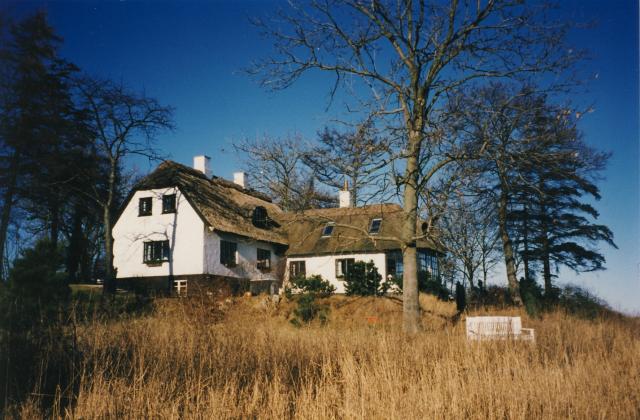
(297, 268)
(181, 287)
(264, 263)
(142, 200)
(225, 257)
(165, 197)
(377, 231)
(331, 226)
(151, 248)
(343, 266)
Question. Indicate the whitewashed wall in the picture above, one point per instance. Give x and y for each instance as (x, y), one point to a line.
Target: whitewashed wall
(325, 266)
(246, 257)
(184, 230)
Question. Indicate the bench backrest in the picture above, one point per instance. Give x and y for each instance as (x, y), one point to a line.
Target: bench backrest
(493, 326)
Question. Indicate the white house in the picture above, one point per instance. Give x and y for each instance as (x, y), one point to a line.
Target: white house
(182, 228)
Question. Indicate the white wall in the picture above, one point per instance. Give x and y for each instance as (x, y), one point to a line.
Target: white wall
(325, 266)
(184, 230)
(246, 257)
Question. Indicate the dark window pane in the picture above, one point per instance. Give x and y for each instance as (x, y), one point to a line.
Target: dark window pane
(344, 266)
(156, 251)
(375, 226)
(228, 253)
(328, 229)
(144, 206)
(297, 269)
(169, 203)
(264, 259)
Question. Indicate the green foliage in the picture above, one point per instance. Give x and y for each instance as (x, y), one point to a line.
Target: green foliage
(363, 279)
(37, 292)
(313, 284)
(578, 301)
(427, 284)
(532, 296)
(306, 291)
(309, 309)
(35, 304)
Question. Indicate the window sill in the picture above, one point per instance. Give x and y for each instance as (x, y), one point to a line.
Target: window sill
(169, 212)
(144, 215)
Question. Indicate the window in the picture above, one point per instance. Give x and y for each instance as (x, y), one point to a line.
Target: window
(144, 206)
(260, 218)
(297, 269)
(375, 226)
(343, 266)
(228, 251)
(395, 266)
(156, 251)
(328, 229)
(169, 203)
(264, 259)
(180, 286)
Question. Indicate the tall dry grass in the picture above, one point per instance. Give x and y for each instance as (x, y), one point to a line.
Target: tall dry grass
(185, 361)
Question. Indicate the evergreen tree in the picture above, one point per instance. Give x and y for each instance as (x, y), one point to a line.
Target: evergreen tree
(554, 215)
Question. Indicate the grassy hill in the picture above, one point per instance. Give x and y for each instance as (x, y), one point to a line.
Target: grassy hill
(196, 358)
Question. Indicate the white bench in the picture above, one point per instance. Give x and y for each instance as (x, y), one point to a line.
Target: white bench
(497, 328)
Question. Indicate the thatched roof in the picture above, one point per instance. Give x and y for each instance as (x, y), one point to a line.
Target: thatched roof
(227, 207)
(350, 233)
(223, 205)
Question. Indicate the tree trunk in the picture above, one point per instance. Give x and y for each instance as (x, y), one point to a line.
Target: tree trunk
(410, 295)
(544, 243)
(7, 204)
(509, 260)
(525, 254)
(109, 281)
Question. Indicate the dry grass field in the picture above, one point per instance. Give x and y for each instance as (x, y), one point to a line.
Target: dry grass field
(192, 359)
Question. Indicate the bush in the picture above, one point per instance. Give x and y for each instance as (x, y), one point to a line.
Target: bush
(427, 284)
(307, 290)
(38, 353)
(578, 301)
(309, 309)
(314, 284)
(363, 279)
(532, 296)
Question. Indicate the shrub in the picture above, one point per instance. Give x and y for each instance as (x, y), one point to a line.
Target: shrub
(307, 290)
(427, 284)
(532, 296)
(309, 309)
(313, 284)
(35, 306)
(363, 279)
(578, 301)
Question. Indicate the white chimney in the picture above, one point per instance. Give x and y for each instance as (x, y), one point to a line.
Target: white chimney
(344, 196)
(240, 178)
(202, 163)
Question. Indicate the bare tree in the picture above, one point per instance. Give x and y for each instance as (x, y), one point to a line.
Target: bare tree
(467, 230)
(407, 56)
(276, 166)
(124, 123)
(358, 156)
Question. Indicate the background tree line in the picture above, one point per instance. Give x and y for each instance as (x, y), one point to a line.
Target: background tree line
(65, 138)
(452, 86)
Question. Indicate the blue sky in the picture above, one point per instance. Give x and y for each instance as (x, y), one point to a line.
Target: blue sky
(190, 55)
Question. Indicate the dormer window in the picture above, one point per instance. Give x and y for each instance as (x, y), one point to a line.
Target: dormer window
(260, 218)
(144, 206)
(328, 229)
(374, 228)
(169, 203)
